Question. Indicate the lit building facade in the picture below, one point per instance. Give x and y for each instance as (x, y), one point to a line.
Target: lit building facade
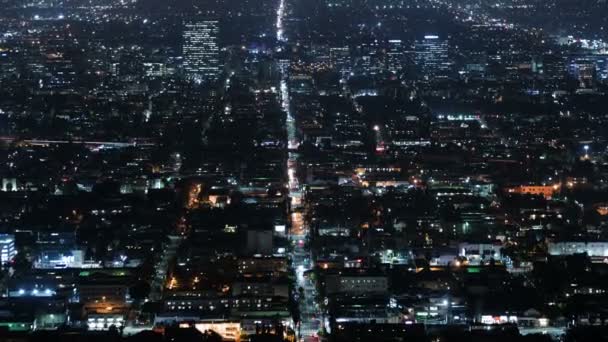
(394, 56)
(7, 247)
(201, 50)
(432, 57)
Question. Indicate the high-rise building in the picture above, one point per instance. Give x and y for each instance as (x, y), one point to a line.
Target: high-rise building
(339, 57)
(370, 59)
(601, 66)
(432, 57)
(7, 248)
(554, 67)
(155, 69)
(583, 69)
(394, 56)
(201, 50)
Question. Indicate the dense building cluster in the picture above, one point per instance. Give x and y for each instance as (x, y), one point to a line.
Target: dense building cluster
(320, 170)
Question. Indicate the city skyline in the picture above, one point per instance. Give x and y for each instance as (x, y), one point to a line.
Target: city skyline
(319, 170)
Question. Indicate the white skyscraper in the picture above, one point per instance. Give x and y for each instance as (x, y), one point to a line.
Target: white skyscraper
(201, 50)
(339, 58)
(394, 56)
(432, 57)
(7, 248)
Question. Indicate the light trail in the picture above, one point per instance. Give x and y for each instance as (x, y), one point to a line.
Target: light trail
(292, 139)
(310, 312)
(280, 18)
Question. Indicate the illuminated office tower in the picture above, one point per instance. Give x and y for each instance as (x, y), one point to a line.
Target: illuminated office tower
(601, 66)
(201, 50)
(554, 67)
(7, 248)
(432, 57)
(583, 69)
(394, 56)
(339, 57)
